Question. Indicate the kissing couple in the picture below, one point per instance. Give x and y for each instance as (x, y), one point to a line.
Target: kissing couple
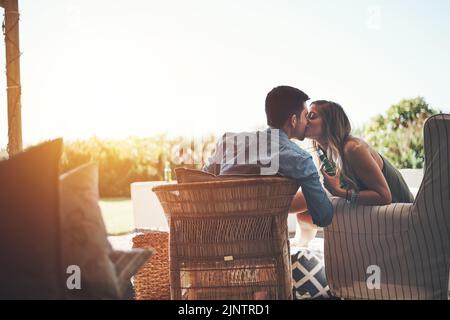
(360, 174)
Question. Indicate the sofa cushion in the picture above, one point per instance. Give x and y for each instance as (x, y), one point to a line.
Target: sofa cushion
(127, 264)
(105, 274)
(29, 224)
(185, 175)
(84, 235)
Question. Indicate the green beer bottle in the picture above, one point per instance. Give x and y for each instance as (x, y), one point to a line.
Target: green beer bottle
(167, 172)
(328, 166)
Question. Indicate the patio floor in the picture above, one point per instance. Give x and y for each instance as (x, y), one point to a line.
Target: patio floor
(125, 242)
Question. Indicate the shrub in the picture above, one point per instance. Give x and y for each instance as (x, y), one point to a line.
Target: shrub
(122, 162)
(398, 134)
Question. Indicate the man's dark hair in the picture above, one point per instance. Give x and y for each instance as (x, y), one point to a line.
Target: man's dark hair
(281, 103)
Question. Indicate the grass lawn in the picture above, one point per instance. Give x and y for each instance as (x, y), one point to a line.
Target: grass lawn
(117, 214)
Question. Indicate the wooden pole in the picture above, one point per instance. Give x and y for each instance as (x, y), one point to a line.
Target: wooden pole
(2, 3)
(11, 31)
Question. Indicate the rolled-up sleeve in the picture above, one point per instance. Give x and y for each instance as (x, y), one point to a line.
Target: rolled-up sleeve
(305, 172)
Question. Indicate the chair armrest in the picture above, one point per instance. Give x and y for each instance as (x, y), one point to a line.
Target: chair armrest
(363, 236)
(360, 219)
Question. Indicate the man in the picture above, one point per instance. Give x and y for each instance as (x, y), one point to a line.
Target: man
(286, 116)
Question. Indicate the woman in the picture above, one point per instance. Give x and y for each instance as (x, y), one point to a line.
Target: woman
(363, 176)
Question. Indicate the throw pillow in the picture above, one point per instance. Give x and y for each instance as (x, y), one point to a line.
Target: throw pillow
(85, 243)
(308, 273)
(127, 264)
(29, 224)
(84, 237)
(185, 175)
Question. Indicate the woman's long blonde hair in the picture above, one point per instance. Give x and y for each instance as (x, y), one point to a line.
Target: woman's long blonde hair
(336, 129)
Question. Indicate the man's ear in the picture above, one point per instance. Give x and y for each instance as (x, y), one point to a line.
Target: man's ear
(293, 121)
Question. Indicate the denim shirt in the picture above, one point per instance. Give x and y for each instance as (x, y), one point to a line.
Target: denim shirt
(292, 161)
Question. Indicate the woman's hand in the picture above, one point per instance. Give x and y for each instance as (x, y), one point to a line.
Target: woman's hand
(333, 183)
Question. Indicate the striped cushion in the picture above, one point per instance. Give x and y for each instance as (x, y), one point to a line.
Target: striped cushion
(127, 264)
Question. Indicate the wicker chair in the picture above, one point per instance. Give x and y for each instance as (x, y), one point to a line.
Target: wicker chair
(229, 239)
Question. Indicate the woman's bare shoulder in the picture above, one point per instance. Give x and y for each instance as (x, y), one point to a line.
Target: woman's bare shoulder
(357, 151)
(355, 146)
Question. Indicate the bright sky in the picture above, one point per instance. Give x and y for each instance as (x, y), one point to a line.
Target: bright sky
(120, 68)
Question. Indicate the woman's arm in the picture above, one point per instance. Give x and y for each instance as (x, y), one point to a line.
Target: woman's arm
(367, 170)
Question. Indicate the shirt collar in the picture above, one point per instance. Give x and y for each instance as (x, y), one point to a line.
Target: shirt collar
(282, 134)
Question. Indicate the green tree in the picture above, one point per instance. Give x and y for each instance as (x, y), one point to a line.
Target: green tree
(398, 134)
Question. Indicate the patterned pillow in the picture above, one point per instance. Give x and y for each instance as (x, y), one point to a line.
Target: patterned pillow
(308, 273)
